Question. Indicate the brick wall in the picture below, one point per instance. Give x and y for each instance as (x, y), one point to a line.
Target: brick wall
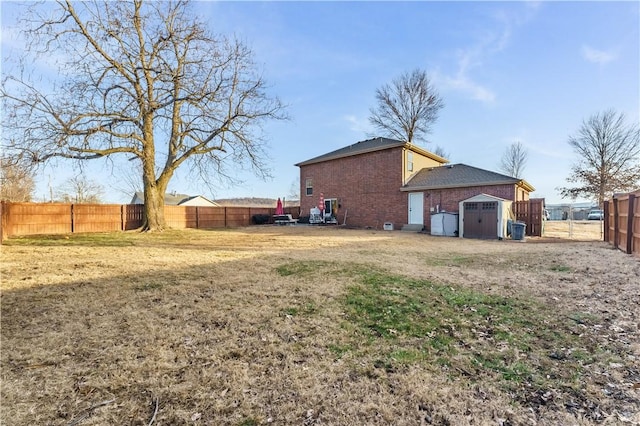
(367, 187)
(449, 199)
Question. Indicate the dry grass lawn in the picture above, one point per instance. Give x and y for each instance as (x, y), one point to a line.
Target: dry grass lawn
(317, 326)
(578, 230)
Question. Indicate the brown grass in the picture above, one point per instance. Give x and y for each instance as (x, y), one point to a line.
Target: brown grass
(250, 326)
(579, 230)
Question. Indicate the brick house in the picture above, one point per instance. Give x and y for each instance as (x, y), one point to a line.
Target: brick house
(382, 180)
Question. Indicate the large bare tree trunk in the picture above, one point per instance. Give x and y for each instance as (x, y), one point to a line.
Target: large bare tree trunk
(154, 193)
(153, 209)
(154, 189)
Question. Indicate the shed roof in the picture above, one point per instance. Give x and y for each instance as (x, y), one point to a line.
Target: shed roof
(370, 145)
(458, 176)
(484, 197)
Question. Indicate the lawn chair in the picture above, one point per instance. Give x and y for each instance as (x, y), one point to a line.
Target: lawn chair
(315, 216)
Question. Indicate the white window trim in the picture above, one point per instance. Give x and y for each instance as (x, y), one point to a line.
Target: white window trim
(308, 184)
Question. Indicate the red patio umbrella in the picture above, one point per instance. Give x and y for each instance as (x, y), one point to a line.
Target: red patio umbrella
(279, 208)
(321, 203)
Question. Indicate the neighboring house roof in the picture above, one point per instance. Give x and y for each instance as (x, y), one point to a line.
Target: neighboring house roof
(198, 200)
(174, 199)
(459, 176)
(370, 145)
(137, 198)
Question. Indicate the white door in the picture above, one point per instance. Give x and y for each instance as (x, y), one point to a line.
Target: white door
(416, 208)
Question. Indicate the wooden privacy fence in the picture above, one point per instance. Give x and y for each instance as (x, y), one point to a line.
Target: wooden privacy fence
(622, 222)
(54, 218)
(531, 213)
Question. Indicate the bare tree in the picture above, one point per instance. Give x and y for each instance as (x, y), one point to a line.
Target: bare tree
(129, 181)
(440, 151)
(608, 152)
(514, 160)
(143, 80)
(16, 180)
(79, 189)
(294, 192)
(407, 108)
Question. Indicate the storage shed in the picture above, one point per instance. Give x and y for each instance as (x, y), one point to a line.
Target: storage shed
(445, 223)
(484, 216)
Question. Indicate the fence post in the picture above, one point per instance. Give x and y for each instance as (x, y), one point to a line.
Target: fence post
(630, 224)
(225, 217)
(616, 226)
(606, 221)
(532, 232)
(197, 218)
(1, 221)
(72, 219)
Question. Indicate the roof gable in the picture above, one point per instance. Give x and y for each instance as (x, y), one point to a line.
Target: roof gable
(369, 145)
(457, 176)
(197, 200)
(484, 197)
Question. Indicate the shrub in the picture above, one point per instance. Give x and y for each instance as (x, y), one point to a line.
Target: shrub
(260, 219)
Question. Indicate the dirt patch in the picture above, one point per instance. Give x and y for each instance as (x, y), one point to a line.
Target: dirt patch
(258, 326)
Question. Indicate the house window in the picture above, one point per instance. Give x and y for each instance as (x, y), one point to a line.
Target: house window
(409, 161)
(309, 186)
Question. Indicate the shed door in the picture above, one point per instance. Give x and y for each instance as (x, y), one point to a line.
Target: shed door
(481, 219)
(416, 208)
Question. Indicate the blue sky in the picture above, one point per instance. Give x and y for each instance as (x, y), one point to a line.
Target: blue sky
(507, 71)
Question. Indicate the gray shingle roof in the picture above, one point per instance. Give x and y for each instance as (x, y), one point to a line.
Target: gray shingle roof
(457, 176)
(369, 145)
